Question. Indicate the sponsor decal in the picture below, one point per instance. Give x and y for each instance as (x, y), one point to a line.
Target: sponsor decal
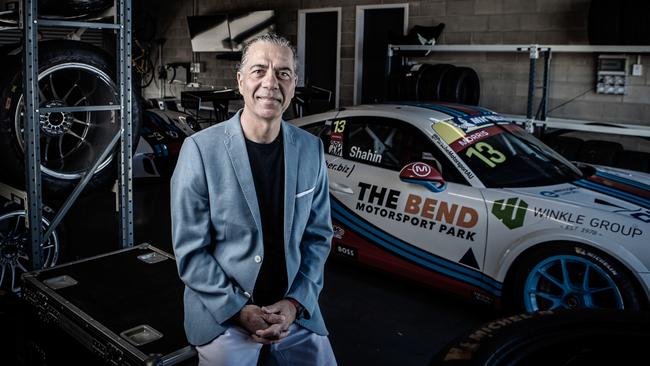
(468, 345)
(587, 225)
(559, 192)
(421, 170)
(511, 212)
(471, 138)
(468, 123)
(474, 137)
(452, 155)
(597, 258)
(423, 174)
(339, 232)
(345, 251)
(336, 145)
(368, 155)
(639, 214)
(564, 216)
(341, 168)
(482, 297)
(422, 212)
(401, 249)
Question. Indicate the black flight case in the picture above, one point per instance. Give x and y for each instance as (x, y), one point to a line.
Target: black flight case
(125, 307)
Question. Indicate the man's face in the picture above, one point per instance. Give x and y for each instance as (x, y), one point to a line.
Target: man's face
(267, 80)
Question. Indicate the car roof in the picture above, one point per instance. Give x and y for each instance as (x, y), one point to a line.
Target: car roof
(419, 114)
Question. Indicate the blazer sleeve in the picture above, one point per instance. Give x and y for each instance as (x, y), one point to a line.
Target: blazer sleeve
(315, 245)
(192, 238)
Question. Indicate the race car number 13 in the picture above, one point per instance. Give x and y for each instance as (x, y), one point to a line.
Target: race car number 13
(339, 126)
(493, 157)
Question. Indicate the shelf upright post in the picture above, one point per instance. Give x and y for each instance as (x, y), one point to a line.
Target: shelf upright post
(533, 54)
(545, 85)
(125, 186)
(31, 132)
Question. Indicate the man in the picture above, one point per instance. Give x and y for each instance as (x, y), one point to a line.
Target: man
(251, 225)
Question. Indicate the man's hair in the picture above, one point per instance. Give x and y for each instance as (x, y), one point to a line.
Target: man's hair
(273, 39)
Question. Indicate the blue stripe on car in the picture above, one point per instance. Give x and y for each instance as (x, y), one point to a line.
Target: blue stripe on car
(483, 110)
(456, 112)
(449, 111)
(421, 257)
(613, 192)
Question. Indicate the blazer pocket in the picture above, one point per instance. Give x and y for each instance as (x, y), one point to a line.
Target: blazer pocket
(304, 193)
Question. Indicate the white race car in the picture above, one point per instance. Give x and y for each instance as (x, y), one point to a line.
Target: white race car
(461, 199)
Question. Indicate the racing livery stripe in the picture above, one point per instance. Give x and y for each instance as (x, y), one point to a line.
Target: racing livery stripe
(419, 256)
(622, 187)
(643, 189)
(454, 110)
(598, 187)
(449, 111)
(467, 109)
(364, 251)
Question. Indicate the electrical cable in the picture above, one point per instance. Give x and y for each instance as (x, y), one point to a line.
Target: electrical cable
(570, 100)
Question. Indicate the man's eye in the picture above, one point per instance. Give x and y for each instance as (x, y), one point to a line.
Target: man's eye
(285, 75)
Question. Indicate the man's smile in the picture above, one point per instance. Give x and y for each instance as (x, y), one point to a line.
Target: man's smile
(269, 98)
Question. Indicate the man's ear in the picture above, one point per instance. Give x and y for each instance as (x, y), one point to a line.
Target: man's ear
(239, 81)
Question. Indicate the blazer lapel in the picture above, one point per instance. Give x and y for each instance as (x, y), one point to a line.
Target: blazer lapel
(236, 147)
(290, 180)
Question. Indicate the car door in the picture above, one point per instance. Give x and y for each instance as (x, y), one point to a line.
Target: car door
(443, 232)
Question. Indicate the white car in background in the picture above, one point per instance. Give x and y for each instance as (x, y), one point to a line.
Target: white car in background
(459, 198)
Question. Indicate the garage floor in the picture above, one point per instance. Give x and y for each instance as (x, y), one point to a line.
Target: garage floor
(373, 318)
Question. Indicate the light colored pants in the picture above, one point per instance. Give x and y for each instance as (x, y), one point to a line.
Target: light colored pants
(235, 347)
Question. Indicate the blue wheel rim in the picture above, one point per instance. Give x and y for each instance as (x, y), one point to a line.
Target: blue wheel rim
(570, 282)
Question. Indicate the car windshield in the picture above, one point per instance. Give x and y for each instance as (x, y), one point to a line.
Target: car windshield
(504, 155)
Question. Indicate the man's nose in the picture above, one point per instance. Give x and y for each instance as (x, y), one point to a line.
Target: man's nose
(270, 80)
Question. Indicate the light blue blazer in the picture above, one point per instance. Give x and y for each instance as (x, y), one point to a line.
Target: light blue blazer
(217, 230)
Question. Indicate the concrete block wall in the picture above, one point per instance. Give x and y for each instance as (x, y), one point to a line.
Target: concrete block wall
(504, 76)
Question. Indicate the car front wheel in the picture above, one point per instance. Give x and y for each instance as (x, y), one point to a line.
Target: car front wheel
(570, 276)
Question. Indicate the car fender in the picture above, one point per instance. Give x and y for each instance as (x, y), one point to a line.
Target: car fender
(537, 238)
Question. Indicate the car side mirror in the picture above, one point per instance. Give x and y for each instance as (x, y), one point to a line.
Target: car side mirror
(424, 175)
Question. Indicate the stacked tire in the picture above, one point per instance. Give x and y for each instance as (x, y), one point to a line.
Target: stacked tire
(71, 74)
(439, 82)
(72, 8)
(624, 22)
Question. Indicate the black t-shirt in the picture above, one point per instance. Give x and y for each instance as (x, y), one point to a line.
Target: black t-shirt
(267, 166)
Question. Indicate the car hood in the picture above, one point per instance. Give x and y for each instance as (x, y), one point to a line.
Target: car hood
(613, 190)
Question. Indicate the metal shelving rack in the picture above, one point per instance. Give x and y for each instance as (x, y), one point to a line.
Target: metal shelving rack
(30, 24)
(534, 52)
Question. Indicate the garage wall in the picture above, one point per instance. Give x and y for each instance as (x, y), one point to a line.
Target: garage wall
(504, 77)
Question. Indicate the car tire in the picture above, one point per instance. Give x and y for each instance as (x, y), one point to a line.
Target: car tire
(604, 23)
(635, 23)
(86, 73)
(553, 277)
(70, 8)
(402, 84)
(431, 81)
(461, 86)
(15, 247)
(585, 337)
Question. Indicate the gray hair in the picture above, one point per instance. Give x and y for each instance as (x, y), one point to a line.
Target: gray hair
(273, 39)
